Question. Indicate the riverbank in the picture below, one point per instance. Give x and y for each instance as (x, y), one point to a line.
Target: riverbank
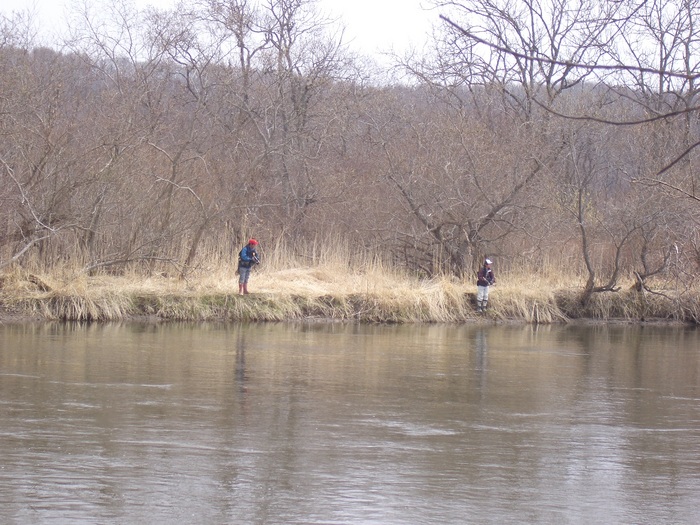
(372, 295)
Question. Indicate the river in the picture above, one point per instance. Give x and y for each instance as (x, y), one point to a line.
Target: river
(349, 424)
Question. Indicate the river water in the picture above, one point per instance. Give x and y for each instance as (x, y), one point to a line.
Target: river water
(349, 424)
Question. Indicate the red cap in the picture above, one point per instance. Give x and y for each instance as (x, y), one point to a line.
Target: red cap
(253, 242)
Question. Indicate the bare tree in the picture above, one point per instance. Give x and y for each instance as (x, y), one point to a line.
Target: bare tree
(506, 140)
(545, 50)
(458, 191)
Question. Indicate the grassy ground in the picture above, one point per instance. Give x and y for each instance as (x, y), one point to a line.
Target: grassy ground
(329, 290)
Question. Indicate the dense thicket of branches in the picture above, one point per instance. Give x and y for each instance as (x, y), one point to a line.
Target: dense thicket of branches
(537, 131)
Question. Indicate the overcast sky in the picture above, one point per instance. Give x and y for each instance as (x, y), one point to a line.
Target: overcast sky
(371, 25)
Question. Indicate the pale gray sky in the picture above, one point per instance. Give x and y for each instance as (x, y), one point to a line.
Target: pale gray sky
(371, 25)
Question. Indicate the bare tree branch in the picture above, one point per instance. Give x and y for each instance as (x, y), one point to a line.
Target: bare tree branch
(565, 63)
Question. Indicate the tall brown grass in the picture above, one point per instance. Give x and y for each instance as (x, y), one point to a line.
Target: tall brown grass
(327, 282)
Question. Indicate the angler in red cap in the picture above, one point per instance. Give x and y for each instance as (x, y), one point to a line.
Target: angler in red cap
(247, 258)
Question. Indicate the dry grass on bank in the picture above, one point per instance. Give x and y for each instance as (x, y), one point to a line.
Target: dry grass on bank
(330, 289)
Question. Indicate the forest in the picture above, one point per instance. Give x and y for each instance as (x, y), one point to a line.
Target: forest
(557, 134)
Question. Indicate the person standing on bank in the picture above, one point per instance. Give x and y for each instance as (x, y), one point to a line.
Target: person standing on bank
(484, 278)
(247, 258)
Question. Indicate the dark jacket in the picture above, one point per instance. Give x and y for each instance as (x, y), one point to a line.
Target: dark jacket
(485, 277)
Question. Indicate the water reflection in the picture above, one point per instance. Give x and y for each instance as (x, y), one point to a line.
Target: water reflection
(335, 423)
(481, 352)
